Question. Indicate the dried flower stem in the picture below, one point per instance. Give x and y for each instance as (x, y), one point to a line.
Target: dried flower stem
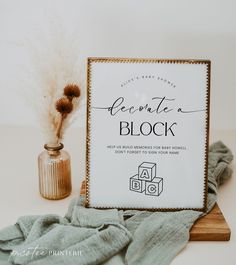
(59, 125)
(64, 106)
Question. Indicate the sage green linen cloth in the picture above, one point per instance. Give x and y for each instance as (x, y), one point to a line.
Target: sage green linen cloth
(89, 236)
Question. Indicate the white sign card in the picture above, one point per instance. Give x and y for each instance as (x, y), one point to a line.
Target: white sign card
(147, 133)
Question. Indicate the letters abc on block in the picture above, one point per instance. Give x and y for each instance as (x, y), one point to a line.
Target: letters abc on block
(147, 171)
(136, 184)
(154, 187)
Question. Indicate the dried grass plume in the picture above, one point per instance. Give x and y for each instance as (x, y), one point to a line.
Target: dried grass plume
(55, 80)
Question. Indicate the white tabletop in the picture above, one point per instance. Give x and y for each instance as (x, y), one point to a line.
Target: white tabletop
(19, 193)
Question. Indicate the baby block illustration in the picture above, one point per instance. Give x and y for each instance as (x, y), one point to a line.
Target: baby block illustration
(146, 180)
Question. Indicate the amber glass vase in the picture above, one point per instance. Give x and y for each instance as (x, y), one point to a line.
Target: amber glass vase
(54, 172)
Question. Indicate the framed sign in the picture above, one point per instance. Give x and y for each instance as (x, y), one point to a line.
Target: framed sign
(147, 133)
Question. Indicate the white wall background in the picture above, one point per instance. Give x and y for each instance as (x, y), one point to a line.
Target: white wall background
(124, 28)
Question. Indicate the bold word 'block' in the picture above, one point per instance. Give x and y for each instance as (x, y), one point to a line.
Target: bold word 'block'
(147, 171)
(154, 187)
(137, 184)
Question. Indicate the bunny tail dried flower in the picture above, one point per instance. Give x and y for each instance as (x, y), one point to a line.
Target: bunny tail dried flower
(64, 106)
(72, 91)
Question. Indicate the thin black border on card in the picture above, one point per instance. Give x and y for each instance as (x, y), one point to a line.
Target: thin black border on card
(147, 60)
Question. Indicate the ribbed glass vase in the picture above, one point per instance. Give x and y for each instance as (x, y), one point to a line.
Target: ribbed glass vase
(54, 172)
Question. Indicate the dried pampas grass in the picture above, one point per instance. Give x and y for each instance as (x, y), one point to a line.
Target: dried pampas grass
(54, 78)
